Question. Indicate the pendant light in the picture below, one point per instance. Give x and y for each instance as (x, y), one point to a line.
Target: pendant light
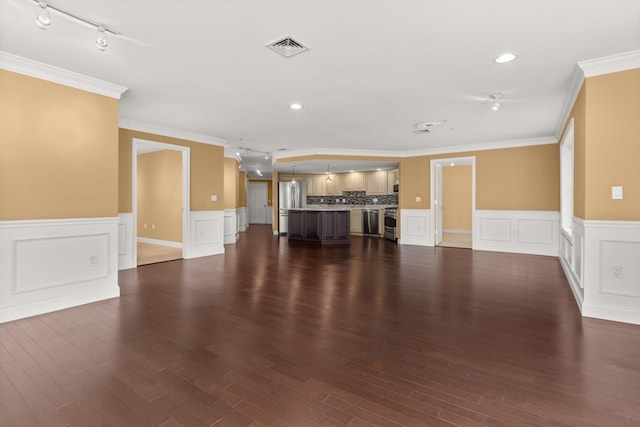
(293, 174)
(328, 178)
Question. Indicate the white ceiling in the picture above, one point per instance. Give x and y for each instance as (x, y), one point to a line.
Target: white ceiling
(374, 69)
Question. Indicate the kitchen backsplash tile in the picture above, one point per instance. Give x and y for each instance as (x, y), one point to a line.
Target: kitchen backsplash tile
(353, 198)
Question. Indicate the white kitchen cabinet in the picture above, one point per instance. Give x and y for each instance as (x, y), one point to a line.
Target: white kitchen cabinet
(377, 183)
(392, 179)
(354, 181)
(356, 221)
(333, 187)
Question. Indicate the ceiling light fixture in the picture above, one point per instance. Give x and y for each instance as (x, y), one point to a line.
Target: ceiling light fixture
(328, 178)
(43, 20)
(505, 57)
(101, 40)
(495, 97)
(296, 106)
(293, 174)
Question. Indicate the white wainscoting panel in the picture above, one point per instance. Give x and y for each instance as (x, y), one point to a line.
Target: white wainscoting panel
(207, 233)
(415, 227)
(230, 226)
(612, 270)
(48, 265)
(571, 257)
(126, 240)
(242, 219)
(528, 232)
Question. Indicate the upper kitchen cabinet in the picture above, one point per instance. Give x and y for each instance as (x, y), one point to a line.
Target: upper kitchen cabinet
(315, 185)
(377, 183)
(392, 179)
(354, 181)
(335, 186)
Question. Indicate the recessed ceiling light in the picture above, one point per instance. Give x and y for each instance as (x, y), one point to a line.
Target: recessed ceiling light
(295, 106)
(504, 58)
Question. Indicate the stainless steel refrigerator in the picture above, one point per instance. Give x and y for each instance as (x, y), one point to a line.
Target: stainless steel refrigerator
(291, 195)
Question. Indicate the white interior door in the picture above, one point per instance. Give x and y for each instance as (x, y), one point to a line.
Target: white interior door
(438, 203)
(257, 202)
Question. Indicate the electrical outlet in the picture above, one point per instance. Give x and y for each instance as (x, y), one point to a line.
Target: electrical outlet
(616, 271)
(93, 260)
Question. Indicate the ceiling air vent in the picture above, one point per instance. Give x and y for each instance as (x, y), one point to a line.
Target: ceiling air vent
(426, 127)
(288, 47)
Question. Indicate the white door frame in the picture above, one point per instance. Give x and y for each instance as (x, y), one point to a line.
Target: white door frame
(437, 198)
(186, 167)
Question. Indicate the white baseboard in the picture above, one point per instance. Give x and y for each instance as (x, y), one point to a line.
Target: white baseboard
(48, 265)
(452, 231)
(167, 243)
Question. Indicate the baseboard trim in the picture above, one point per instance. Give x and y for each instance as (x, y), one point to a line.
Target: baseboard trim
(168, 243)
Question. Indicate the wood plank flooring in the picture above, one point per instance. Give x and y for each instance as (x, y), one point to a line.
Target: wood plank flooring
(282, 334)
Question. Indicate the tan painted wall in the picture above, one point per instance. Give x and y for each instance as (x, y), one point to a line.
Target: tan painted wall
(242, 188)
(206, 177)
(230, 183)
(59, 151)
(524, 178)
(160, 195)
(456, 198)
(613, 146)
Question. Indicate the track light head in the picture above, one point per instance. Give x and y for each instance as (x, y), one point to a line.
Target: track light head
(43, 20)
(495, 97)
(101, 40)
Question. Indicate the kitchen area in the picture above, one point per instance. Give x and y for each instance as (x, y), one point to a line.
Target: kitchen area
(368, 197)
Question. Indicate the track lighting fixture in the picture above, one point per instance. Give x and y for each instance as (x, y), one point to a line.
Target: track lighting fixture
(495, 97)
(101, 40)
(43, 20)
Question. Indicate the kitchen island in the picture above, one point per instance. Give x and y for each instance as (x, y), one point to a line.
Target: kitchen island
(324, 226)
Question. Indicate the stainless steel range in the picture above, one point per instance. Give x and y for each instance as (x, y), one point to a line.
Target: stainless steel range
(390, 224)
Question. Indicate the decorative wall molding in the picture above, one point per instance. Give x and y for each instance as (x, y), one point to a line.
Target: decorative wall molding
(230, 226)
(207, 233)
(167, 243)
(126, 240)
(170, 132)
(611, 270)
(39, 70)
(415, 227)
(242, 219)
(48, 265)
(571, 257)
(527, 232)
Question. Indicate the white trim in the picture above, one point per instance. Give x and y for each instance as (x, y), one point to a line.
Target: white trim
(230, 226)
(207, 233)
(451, 231)
(577, 80)
(611, 64)
(547, 140)
(39, 70)
(186, 190)
(167, 243)
(48, 265)
(415, 227)
(526, 232)
(170, 132)
(126, 241)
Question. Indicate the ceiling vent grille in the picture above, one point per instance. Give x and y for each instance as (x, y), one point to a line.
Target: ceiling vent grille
(288, 47)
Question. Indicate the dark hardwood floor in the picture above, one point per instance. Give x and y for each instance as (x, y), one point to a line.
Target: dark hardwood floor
(274, 333)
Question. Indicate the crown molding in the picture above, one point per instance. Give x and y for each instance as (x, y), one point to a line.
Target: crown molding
(171, 132)
(39, 70)
(577, 80)
(611, 64)
(516, 143)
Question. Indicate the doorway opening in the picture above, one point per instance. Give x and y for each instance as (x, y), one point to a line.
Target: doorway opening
(160, 201)
(453, 201)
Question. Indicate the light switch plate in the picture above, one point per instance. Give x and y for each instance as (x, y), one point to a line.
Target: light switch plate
(214, 198)
(616, 193)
